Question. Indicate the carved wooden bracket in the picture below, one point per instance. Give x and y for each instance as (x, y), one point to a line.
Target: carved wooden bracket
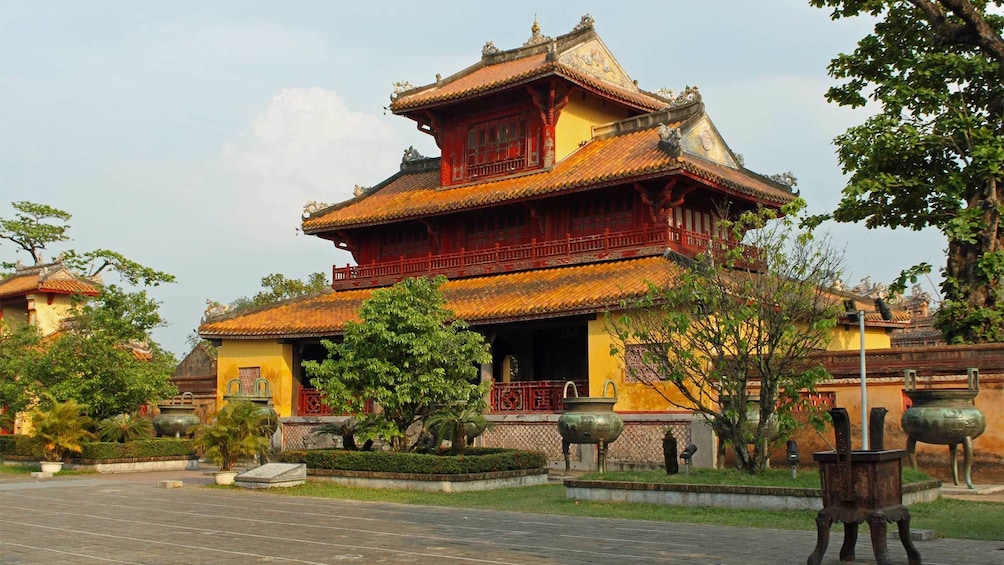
(426, 122)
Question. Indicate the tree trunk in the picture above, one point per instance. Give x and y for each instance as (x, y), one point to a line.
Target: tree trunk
(972, 295)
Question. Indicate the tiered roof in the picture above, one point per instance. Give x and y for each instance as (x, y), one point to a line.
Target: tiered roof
(544, 293)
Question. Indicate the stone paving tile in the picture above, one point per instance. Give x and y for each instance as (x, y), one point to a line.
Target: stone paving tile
(128, 520)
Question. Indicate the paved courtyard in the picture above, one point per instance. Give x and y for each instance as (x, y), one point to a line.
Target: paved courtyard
(102, 519)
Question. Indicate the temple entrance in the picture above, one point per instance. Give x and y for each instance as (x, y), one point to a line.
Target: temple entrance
(532, 361)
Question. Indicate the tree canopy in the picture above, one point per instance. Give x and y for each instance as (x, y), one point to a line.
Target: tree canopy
(102, 358)
(933, 155)
(277, 287)
(733, 321)
(36, 226)
(408, 354)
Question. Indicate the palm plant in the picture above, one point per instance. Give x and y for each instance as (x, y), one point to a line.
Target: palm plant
(461, 424)
(60, 426)
(125, 427)
(239, 431)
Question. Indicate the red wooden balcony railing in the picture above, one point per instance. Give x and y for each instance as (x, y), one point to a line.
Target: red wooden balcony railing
(531, 396)
(536, 254)
(311, 403)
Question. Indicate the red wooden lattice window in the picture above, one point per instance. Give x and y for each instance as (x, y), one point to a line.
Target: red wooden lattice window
(406, 242)
(500, 146)
(502, 229)
(590, 217)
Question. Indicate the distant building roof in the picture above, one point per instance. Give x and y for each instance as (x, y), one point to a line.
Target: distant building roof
(55, 278)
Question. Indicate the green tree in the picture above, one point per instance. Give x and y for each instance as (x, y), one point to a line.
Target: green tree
(723, 322)
(35, 226)
(933, 155)
(20, 354)
(406, 355)
(277, 287)
(103, 358)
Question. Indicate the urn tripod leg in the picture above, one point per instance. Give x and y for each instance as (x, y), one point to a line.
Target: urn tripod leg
(953, 454)
(911, 451)
(967, 447)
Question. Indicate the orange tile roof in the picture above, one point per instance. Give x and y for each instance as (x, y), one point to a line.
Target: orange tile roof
(600, 162)
(35, 281)
(497, 298)
(478, 80)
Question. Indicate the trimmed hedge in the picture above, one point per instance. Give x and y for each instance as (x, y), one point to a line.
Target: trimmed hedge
(164, 447)
(21, 446)
(474, 460)
(27, 446)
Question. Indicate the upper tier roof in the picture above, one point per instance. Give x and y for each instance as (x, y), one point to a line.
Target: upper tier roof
(579, 57)
(52, 278)
(606, 160)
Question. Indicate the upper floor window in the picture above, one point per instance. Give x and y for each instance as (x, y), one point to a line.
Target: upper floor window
(500, 146)
(405, 242)
(503, 228)
(588, 217)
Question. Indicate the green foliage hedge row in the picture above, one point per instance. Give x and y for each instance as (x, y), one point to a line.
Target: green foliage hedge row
(474, 460)
(165, 447)
(26, 446)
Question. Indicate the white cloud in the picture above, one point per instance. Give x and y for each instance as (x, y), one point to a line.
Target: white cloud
(305, 145)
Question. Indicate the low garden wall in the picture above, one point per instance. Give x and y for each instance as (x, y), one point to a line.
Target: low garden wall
(466, 482)
(723, 496)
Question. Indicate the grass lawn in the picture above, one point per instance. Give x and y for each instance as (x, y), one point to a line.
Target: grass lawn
(30, 468)
(948, 517)
(769, 478)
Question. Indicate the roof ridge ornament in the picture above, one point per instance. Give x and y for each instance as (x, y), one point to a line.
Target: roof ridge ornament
(688, 95)
(670, 140)
(312, 207)
(788, 179)
(399, 87)
(536, 38)
(489, 49)
(586, 22)
(411, 155)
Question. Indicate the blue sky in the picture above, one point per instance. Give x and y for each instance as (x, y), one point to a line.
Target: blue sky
(189, 135)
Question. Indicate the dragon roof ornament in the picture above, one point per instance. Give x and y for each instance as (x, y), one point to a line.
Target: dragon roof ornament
(586, 22)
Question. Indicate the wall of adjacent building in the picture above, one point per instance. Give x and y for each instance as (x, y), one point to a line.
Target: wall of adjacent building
(575, 124)
(275, 361)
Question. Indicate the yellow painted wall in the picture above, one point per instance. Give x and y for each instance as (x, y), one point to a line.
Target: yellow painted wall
(275, 360)
(48, 317)
(849, 337)
(15, 316)
(640, 397)
(575, 124)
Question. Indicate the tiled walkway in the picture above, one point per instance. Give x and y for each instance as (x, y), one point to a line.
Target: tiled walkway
(124, 518)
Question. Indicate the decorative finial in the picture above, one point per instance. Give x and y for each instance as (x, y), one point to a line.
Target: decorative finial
(536, 37)
(586, 22)
(489, 49)
(411, 154)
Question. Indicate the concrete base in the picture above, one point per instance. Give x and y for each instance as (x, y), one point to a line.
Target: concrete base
(918, 535)
(170, 484)
(273, 475)
(434, 483)
(40, 475)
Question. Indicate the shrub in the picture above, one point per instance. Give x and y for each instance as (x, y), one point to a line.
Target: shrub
(20, 446)
(125, 427)
(163, 447)
(475, 460)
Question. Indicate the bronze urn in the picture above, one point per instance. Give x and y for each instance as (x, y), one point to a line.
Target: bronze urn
(590, 420)
(945, 416)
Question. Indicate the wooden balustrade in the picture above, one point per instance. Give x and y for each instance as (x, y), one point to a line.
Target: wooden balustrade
(310, 402)
(536, 254)
(531, 396)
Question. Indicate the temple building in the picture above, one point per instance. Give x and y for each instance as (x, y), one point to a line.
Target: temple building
(559, 189)
(41, 295)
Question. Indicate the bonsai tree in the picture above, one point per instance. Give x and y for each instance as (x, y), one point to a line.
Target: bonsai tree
(239, 431)
(125, 427)
(61, 427)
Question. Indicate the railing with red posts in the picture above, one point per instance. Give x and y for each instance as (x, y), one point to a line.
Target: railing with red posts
(311, 403)
(536, 254)
(531, 396)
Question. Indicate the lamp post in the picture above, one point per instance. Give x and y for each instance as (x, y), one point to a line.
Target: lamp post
(852, 312)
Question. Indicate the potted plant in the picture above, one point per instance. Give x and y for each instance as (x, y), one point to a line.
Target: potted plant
(239, 431)
(61, 428)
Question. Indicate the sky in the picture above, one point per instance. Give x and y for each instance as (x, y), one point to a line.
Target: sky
(189, 135)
